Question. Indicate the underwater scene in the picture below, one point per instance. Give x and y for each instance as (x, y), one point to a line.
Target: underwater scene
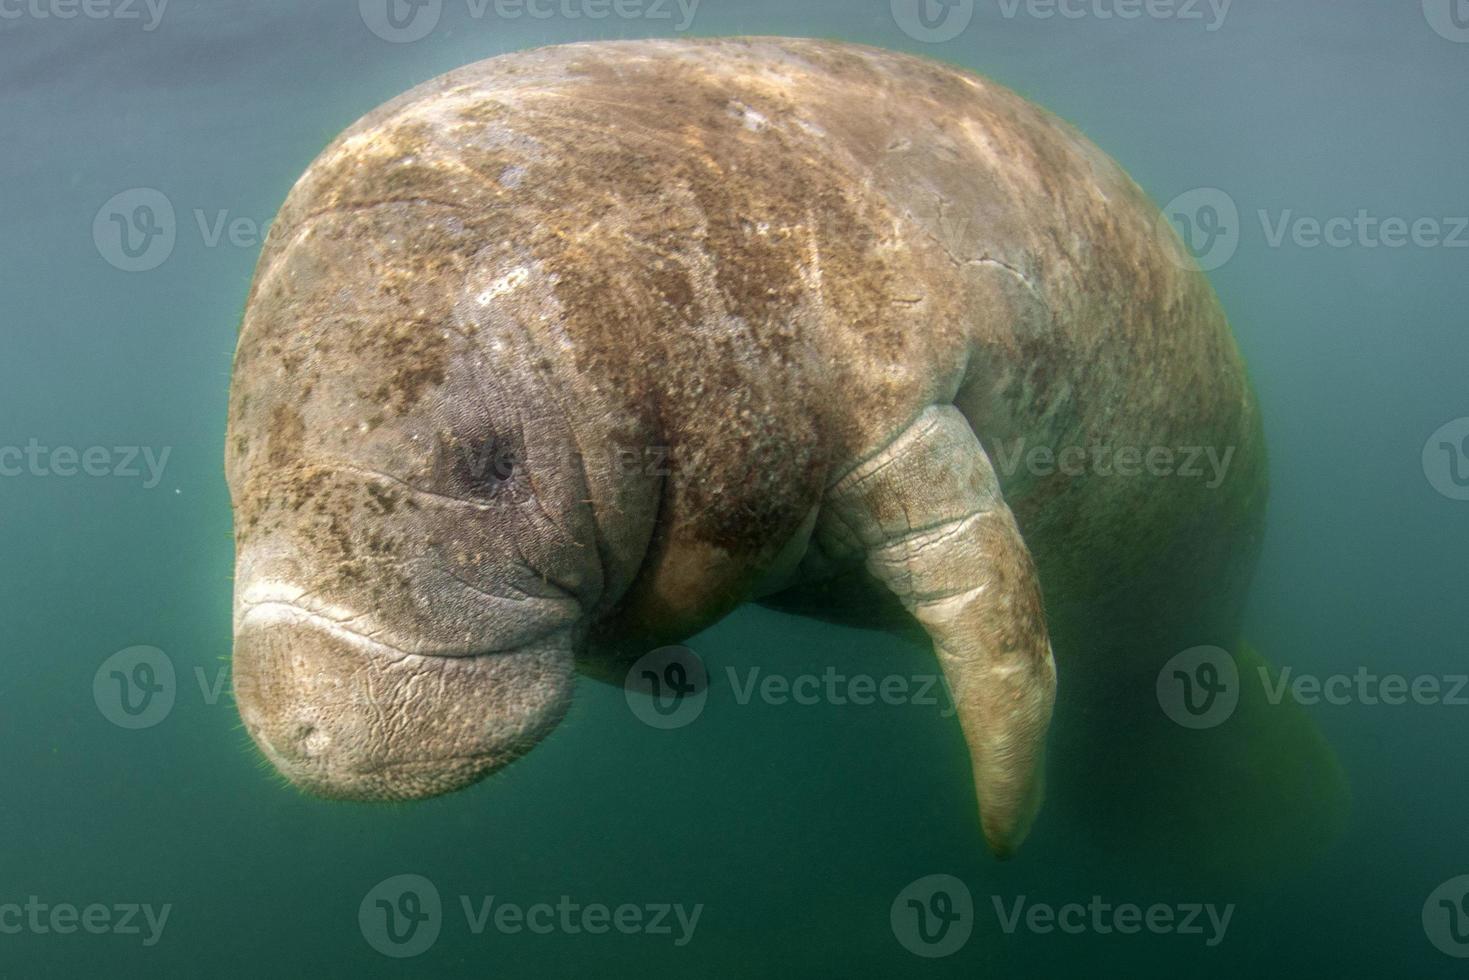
(723, 488)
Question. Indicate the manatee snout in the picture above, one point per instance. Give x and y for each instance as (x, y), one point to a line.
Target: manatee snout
(345, 717)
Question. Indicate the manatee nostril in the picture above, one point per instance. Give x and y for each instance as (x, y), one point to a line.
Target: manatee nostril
(312, 740)
(304, 741)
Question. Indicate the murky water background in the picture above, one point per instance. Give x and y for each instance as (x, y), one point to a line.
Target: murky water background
(790, 830)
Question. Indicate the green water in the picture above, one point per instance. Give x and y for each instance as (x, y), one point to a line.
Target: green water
(790, 829)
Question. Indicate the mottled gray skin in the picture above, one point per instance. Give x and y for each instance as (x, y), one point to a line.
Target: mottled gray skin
(672, 291)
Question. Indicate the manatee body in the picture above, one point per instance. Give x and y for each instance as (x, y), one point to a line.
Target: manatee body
(566, 354)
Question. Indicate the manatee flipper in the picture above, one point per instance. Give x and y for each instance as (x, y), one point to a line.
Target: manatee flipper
(927, 516)
(1259, 793)
(1268, 787)
(1291, 797)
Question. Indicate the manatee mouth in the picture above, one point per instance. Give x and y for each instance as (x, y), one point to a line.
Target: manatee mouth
(355, 715)
(274, 603)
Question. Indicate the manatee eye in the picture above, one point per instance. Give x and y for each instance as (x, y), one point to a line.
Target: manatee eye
(488, 464)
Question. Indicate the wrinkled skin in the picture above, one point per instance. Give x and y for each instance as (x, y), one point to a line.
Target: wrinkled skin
(552, 360)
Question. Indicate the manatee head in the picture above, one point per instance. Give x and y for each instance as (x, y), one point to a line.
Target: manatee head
(416, 552)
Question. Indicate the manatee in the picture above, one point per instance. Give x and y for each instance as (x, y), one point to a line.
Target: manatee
(564, 355)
